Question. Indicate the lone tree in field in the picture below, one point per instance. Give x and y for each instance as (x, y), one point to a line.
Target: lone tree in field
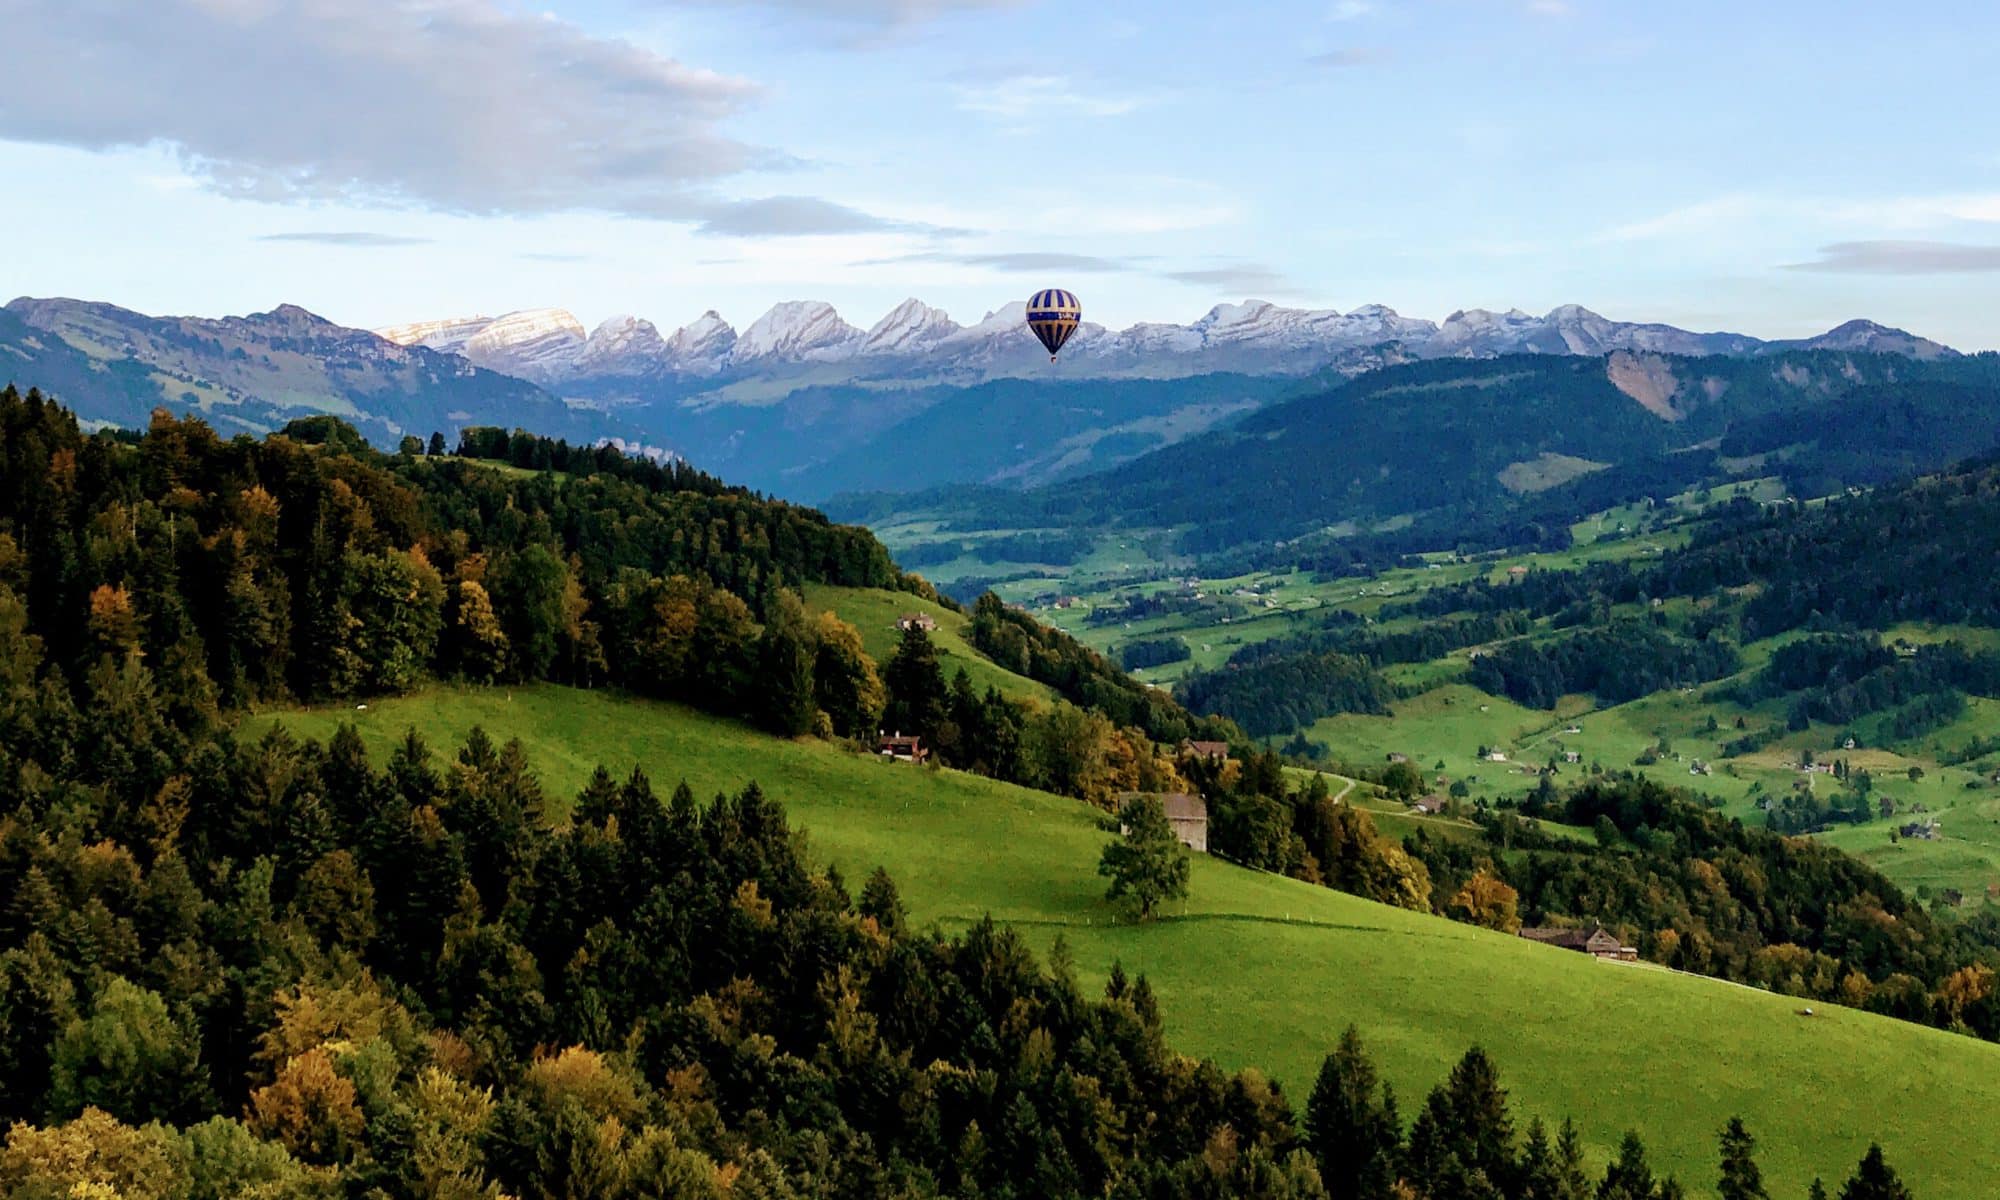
(1148, 863)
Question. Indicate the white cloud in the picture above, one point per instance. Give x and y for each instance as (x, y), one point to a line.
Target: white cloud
(870, 12)
(1903, 258)
(460, 106)
(1742, 212)
(1028, 97)
(1350, 56)
(1350, 10)
(1700, 217)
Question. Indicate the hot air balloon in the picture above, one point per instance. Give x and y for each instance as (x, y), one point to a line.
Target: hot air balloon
(1054, 314)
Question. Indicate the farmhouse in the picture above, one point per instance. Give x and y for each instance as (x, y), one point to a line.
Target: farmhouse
(917, 620)
(1431, 805)
(1496, 756)
(1595, 941)
(910, 749)
(1922, 830)
(1210, 751)
(1187, 814)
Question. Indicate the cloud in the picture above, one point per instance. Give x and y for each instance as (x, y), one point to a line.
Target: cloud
(345, 237)
(1022, 98)
(798, 216)
(1702, 217)
(543, 256)
(1350, 56)
(1024, 262)
(462, 106)
(1551, 8)
(1902, 258)
(878, 13)
(1241, 278)
(1350, 10)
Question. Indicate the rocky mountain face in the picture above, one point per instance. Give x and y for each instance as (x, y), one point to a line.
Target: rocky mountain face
(914, 341)
(254, 373)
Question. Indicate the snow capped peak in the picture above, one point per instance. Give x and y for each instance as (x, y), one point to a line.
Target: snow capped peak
(621, 345)
(532, 325)
(914, 340)
(909, 328)
(448, 335)
(1225, 315)
(797, 329)
(703, 342)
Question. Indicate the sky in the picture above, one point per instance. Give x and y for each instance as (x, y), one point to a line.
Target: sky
(1771, 168)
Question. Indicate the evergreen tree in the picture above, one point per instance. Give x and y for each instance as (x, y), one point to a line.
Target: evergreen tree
(918, 697)
(1874, 1179)
(784, 686)
(437, 447)
(1740, 1178)
(1350, 1125)
(880, 900)
(1629, 1177)
(1147, 862)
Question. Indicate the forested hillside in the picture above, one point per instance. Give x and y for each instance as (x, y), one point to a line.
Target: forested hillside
(1510, 451)
(273, 967)
(307, 566)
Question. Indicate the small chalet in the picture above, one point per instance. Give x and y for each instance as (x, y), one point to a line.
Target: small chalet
(1572, 756)
(917, 620)
(1496, 756)
(1595, 941)
(910, 749)
(1430, 805)
(1210, 751)
(1921, 830)
(1187, 814)
(1399, 758)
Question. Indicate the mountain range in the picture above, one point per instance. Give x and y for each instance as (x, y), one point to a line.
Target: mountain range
(915, 342)
(251, 374)
(801, 402)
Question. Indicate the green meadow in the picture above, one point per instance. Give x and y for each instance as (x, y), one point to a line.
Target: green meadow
(1257, 970)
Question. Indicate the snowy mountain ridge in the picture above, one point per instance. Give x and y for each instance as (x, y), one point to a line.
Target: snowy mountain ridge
(916, 340)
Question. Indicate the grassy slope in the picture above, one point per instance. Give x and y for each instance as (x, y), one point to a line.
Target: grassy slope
(874, 613)
(1259, 970)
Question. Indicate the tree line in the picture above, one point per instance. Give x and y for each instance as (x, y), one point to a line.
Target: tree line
(1701, 892)
(1616, 663)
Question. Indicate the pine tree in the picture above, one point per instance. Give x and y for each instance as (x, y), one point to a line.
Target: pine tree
(784, 699)
(1874, 1179)
(880, 900)
(1741, 1179)
(1629, 1177)
(1351, 1132)
(917, 693)
(437, 444)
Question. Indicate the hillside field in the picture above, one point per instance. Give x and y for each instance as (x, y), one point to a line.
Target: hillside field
(874, 613)
(1257, 970)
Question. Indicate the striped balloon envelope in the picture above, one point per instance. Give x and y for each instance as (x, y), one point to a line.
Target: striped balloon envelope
(1054, 314)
